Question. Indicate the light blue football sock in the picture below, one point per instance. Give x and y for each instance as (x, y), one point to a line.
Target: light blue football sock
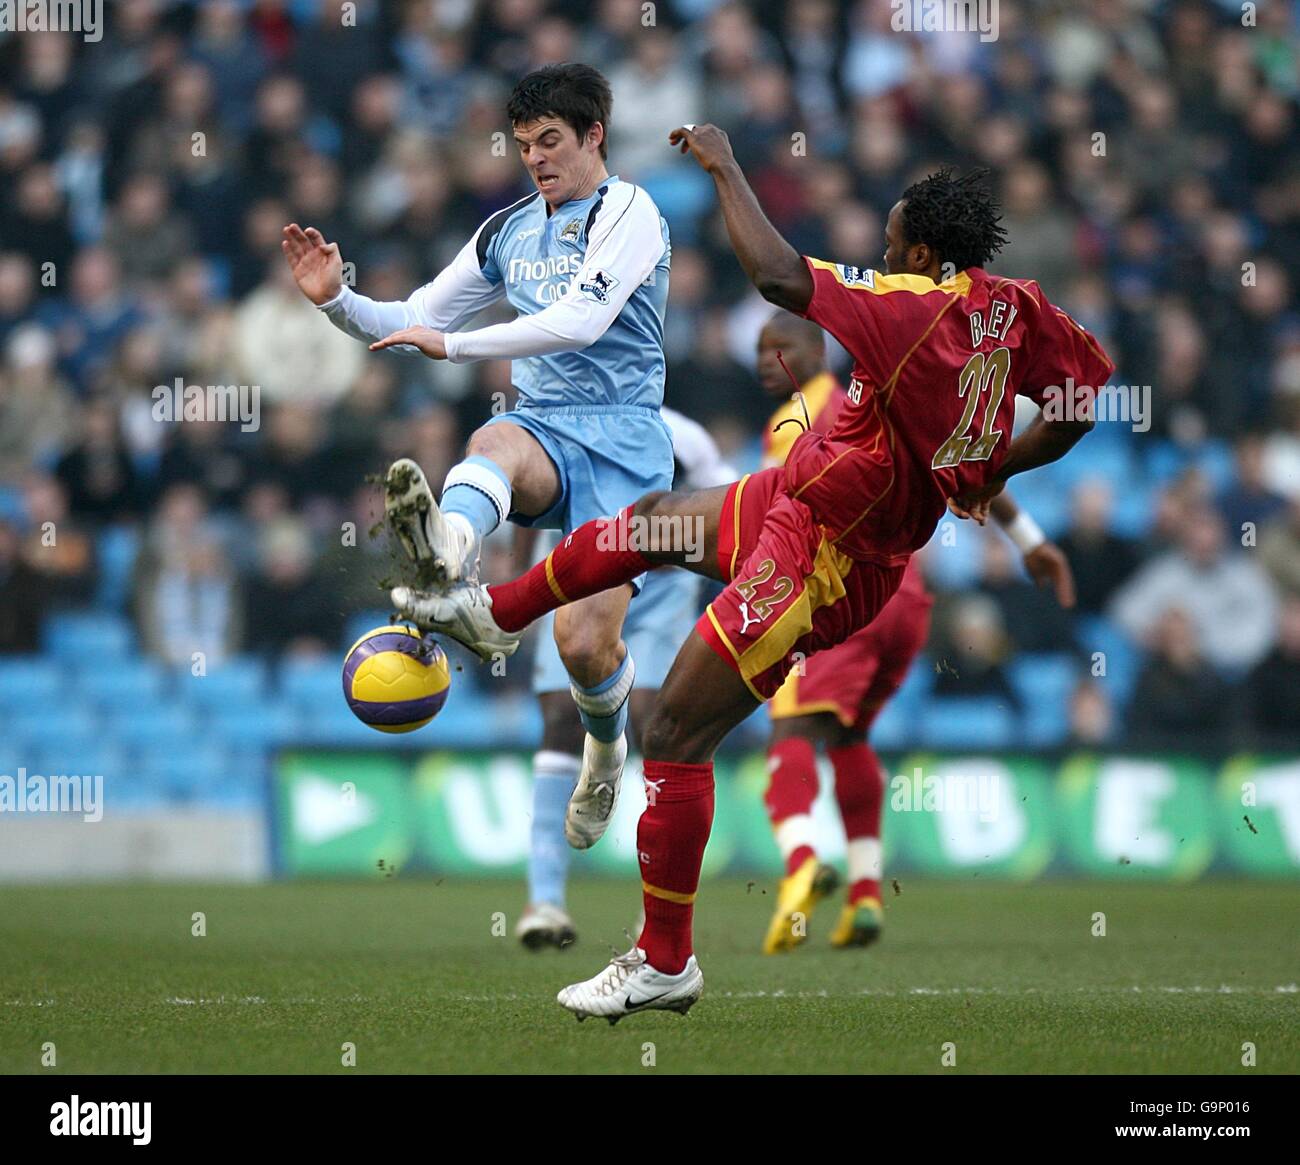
(604, 708)
(479, 490)
(554, 776)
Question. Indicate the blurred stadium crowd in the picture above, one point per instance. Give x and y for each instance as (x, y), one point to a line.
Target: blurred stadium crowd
(1147, 158)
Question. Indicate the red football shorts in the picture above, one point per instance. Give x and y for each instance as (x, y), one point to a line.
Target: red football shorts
(792, 593)
(853, 680)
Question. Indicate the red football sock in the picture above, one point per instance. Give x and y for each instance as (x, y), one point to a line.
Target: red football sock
(670, 839)
(791, 791)
(860, 792)
(592, 559)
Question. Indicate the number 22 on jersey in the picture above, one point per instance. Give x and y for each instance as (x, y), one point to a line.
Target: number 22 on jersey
(984, 377)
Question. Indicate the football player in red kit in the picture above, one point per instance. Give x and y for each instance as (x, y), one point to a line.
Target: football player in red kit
(832, 698)
(940, 350)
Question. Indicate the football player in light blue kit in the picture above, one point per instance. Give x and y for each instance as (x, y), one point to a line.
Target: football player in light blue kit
(656, 622)
(584, 261)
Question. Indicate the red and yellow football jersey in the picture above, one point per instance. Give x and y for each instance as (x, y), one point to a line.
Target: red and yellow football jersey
(931, 402)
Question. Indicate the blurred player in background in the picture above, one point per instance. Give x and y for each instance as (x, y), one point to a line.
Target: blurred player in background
(832, 698)
(584, 261)
(940, 350)
(656, 622)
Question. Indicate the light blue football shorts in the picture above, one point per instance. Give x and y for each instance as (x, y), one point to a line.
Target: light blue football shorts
(607, 456)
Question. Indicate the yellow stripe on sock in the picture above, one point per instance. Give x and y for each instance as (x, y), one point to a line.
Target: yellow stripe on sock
(668, 895)
(550, 579)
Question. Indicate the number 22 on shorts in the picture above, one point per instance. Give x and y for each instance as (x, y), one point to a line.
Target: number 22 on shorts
(755, 611)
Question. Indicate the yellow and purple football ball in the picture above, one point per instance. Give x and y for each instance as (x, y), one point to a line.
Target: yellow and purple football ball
(395, 679)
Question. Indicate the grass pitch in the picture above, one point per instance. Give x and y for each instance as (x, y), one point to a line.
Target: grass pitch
(411, 973)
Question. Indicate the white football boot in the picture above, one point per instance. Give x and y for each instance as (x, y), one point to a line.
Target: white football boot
(543, 924)
(442, 546)
(464, 613)
(629, 984)
(595, 796)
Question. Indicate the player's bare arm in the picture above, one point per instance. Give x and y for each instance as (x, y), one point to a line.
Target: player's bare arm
(1040, 444)
(1044, 560)
(772, 265)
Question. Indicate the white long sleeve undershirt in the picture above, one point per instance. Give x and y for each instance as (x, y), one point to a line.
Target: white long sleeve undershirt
(624, 246)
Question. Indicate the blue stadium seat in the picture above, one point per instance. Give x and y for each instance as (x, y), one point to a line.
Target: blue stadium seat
(71, 725)
(117, 548)
(895, 726)
(968, 722)
(13, 507)
(332, 723)
(1165, 461)
(1044, 684)
(955, 565)
(165, 728)
(310, 682)
(682, 195)
(1123, 658)
(517, 717)
(1046, 498)
(1215, 460)
(243, 680)
(257, 724)
(461, 724)
(1045, 677)
(81, 634)
(31, 681)
(918, 682)
(135, 788)
(187, 776)
(242, 783)
(116, 683)
(1133, 511)
(14, 748)
(363, 621)
(1103, 457)
(89, 757)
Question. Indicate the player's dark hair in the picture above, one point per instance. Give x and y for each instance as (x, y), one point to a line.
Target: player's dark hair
(577, 94)
(957, 218)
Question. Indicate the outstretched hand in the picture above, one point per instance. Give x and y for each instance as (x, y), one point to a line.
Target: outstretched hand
(317, 265)
(432, 343)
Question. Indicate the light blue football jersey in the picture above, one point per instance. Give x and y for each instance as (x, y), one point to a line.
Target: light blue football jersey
(537, 256)
(590, 284)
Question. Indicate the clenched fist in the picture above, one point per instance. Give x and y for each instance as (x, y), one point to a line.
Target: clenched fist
(707, 143)
(974, 503)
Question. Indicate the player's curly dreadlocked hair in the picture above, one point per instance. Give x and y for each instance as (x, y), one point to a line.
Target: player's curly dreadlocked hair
(956, 217)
